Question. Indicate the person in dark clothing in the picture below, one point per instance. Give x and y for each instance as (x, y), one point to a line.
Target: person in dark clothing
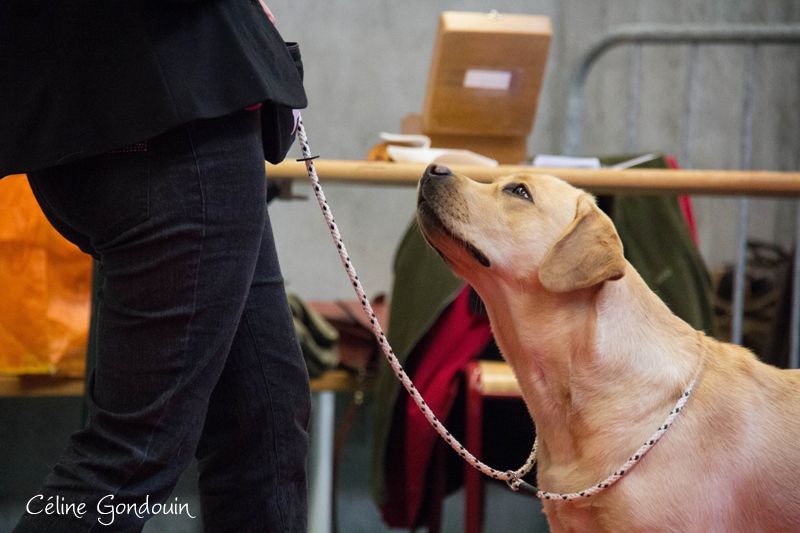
(139, 126)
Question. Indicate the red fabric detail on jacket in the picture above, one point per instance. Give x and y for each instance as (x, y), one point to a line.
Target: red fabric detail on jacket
(686, 204)
(458, 336)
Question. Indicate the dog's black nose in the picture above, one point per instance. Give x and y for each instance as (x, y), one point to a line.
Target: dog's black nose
(437, 170)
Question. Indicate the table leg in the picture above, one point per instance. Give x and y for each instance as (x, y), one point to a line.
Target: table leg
(321, 488)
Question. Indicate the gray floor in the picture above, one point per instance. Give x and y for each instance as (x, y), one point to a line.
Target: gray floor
(32, 432)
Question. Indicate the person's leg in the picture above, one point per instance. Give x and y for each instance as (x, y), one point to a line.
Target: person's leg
(253, 450)
(177, 231)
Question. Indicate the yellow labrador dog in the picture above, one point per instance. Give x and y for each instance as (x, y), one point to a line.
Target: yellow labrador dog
(601, 361)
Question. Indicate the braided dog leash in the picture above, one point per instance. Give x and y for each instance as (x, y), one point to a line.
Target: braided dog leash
(512, 477)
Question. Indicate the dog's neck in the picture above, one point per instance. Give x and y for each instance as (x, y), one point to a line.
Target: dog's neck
(594, 369)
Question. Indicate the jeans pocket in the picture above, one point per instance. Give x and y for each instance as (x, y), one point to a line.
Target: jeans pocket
(100, 197)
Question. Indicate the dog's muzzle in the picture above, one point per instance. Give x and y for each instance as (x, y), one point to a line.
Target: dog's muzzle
(428, 195)
(432, 179)
(434, 176)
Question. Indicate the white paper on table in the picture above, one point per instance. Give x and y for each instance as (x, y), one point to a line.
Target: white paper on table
(563, 161)
(452, 156)
(405, 139)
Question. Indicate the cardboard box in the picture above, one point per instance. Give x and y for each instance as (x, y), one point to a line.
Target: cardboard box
(486, 74)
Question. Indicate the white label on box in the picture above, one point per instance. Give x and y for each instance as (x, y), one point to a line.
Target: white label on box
(498, 80)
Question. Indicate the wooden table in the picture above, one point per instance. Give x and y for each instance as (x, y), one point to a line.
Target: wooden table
(41, 386)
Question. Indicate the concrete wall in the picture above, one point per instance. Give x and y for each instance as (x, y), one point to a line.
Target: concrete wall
(367, 64)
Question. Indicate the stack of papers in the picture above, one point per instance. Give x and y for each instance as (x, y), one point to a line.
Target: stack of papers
(417, 149)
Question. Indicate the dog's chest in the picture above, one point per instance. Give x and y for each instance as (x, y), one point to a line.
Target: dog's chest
(606, 513)
(571, 518)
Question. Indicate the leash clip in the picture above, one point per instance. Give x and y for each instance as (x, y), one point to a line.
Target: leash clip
(513, 480)
(517, 484)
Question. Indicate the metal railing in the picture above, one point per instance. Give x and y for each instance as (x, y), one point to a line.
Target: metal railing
(750, 37)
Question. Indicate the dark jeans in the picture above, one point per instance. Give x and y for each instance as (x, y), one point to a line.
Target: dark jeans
(196, 351)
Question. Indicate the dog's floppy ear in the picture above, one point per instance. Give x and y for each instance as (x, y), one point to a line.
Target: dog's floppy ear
(587, 253)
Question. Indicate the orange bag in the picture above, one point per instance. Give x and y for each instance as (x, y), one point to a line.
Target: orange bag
(45, 289)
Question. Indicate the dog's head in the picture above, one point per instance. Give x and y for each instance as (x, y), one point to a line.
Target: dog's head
(517, 228)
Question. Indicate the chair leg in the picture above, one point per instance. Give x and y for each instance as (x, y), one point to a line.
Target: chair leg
(473, 483)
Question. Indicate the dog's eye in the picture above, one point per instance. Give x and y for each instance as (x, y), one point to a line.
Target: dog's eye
(519, 189)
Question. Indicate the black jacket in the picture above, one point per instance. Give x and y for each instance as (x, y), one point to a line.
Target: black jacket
(82, 77)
